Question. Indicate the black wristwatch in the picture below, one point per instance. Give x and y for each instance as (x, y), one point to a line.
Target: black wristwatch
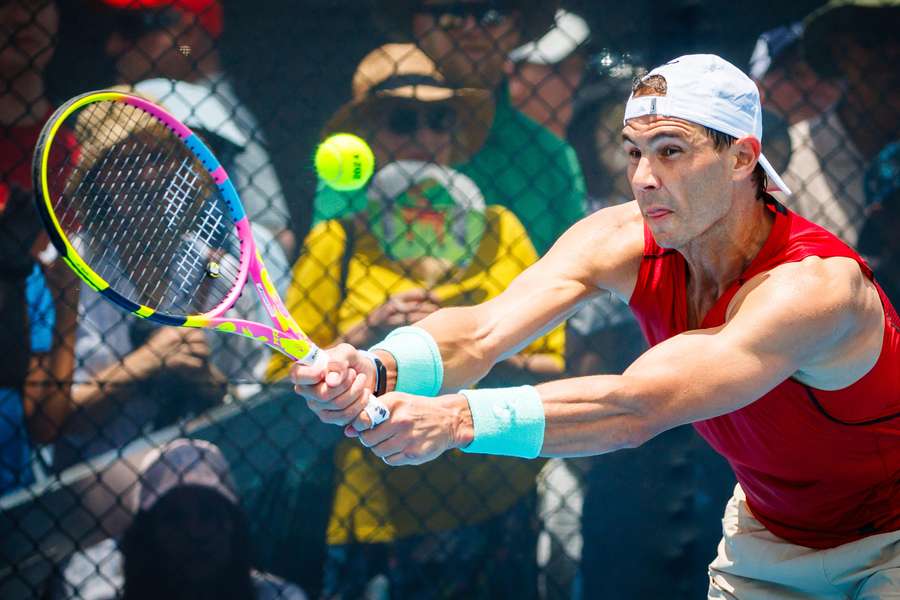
(380, 374)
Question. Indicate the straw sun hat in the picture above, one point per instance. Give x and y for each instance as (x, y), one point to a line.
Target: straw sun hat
(397, 71)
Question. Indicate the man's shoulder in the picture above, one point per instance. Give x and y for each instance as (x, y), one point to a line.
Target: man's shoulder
(618, 221)
(830, 292)
(830, 278)
(825, 308)
(605, 248)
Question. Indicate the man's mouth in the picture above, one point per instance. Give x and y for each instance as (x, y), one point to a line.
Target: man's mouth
(657, 213)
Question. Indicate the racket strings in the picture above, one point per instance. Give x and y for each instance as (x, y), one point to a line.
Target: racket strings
(146, 215)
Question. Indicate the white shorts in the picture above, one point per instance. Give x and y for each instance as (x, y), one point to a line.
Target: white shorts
(753, 563)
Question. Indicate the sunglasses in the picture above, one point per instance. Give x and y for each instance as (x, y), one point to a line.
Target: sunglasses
(135, 24)
(454, 16)
(407, 120)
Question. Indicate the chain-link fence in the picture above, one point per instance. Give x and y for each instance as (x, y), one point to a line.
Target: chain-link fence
(158, 462)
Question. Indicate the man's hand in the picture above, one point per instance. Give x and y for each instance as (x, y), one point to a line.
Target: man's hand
(419, 430)
(339, 392)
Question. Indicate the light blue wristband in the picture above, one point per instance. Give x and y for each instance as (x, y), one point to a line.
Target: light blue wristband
(420, 370)
(508, 421)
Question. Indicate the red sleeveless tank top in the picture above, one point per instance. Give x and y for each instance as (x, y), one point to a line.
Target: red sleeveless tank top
(819, 468)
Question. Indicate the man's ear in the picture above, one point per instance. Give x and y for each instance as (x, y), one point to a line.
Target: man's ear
(745, 152)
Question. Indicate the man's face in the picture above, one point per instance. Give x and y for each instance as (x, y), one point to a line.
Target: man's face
(681, 184)
(27, 35)
(468, 40)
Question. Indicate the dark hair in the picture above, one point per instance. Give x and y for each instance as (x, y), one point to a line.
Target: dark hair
(144, 579)
(721, 141)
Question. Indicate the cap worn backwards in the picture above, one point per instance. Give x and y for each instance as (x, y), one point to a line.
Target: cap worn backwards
(710, 91)
(772, 46)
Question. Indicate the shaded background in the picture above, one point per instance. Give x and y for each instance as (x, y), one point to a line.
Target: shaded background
(292, 61)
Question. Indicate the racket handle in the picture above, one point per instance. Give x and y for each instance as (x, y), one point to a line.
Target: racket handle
(375, 408)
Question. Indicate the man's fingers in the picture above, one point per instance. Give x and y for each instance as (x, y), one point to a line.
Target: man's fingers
(337, 372)
(396, 460)
(361, 423)
(378, 435)
(351, 396)
(389, 446)
(333, 417)
(306, 374)
(333, 374)
(323, 392)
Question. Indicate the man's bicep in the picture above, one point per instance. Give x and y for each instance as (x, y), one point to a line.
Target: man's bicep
(781, 325)
(702, 374)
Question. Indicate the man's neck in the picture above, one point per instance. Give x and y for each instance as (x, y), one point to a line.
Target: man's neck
(720, 255)
(22, 100)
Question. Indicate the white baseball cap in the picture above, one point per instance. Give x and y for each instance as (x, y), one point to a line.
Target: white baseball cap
(708, 90)
(568, 33)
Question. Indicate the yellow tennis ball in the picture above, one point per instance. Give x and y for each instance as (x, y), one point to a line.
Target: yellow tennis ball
(344, 162)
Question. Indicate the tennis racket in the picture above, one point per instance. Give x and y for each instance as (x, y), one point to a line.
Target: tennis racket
(144, 213)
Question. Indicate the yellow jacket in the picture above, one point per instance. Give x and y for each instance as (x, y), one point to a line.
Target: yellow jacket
(375, 503)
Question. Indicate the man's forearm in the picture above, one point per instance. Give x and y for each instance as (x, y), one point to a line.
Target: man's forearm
(583, 416)
(591, 415)
(463, 347)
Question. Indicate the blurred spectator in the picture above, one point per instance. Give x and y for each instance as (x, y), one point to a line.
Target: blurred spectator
(853, 43)
(546, 73)
(38, 294)
(880, 238)
(595, 130)
(520, 165)
(461, 526)
(788, 84)
(189, 538)
(176, 40)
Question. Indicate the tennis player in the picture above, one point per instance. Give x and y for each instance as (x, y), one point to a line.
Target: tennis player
(767, 333)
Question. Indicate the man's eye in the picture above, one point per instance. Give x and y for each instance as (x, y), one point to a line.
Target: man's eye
(635, 154)
(670, 151)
